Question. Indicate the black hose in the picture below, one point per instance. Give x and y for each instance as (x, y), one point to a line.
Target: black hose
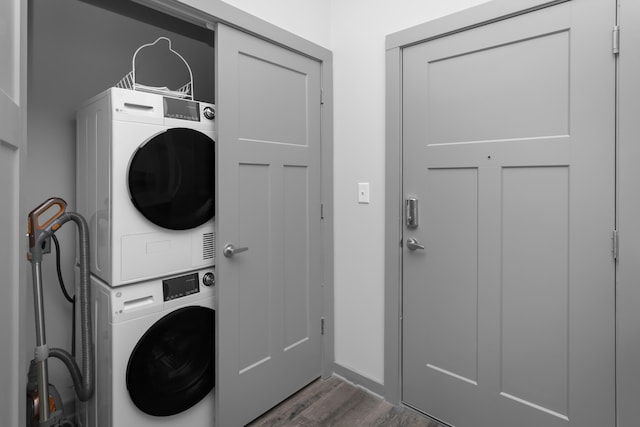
(71, 299)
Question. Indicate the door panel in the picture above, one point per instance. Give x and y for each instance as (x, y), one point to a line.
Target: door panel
(461, 86)
(269, 297)
(535, 275)
(451, 316)
(12, 249)
(296, 283)
(508, 136)
(281, 105)
(253, 305)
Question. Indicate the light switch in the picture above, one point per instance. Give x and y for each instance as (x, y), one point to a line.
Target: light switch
(363, 192)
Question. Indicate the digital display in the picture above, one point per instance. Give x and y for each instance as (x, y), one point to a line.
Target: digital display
(180, 286)
(181, 109)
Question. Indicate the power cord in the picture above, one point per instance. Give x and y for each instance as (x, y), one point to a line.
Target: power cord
(71, 299)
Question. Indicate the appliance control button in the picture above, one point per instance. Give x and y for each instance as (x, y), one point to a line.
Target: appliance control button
(209, 279)
(209, 113)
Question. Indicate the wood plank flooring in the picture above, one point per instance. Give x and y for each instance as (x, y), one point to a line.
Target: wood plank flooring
(336, 403)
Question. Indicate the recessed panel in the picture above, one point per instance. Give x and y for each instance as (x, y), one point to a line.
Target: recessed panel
(296, 255)
(450, 216)
(9, 40)
(254, 284)
(279, 113)
(8, 177)
(511, 91)
(8, 191)
(535, 287)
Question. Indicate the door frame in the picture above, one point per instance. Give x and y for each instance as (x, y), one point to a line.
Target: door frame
(474, 17)
(208, 14)
(628, 209)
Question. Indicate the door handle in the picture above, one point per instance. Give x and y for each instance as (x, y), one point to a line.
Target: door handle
(230, 250)
(413, 244)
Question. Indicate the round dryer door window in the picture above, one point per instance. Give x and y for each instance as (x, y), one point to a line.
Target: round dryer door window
(171, 367)
(171, 179)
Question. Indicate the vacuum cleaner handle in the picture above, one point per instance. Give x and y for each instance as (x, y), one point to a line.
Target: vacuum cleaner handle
(36, 229)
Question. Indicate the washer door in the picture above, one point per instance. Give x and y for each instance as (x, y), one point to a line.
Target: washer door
(171, 179)
(171, 367)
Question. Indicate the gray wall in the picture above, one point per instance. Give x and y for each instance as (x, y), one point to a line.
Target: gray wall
(76, 50)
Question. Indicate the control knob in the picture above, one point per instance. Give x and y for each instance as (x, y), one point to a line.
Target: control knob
(209, 113)
(209, 279)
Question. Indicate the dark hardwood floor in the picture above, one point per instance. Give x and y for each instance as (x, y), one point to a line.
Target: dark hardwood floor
(336, 403)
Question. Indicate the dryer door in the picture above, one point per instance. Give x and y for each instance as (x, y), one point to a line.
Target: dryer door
(171, 367)
(171, 179)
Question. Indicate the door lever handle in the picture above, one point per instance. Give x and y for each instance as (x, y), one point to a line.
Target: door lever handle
(230, 250)
(413, 244)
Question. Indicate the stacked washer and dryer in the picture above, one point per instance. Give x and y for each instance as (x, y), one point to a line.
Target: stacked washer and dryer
(145, 183)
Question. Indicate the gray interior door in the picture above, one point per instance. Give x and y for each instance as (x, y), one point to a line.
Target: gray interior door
(12, 248)
(268, 178)
(509, 144)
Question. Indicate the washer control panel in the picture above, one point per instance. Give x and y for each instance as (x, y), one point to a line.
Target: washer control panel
(178, 287)
(181, 109)
(189, 284)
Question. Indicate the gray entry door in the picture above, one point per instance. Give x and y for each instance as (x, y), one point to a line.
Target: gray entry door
(268, 200)
(508, 135)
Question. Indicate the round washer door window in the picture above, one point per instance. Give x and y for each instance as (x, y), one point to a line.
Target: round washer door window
(171, 179)
(171, 367)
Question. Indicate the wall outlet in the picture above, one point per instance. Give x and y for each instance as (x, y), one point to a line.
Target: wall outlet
(363, 192)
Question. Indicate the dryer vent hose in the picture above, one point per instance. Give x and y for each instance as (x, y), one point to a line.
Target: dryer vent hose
(83, 382)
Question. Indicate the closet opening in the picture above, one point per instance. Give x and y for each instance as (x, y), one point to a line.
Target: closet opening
(78, 49)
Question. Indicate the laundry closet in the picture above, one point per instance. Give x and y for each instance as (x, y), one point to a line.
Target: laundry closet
(265, 238)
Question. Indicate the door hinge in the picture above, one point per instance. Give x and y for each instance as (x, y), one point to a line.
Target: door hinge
(322, 326)
(615, 244)
(616, 39)
(321, 210)
(321, 96)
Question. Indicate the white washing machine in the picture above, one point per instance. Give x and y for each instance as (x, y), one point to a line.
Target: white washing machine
(145, 183)
(155, 353)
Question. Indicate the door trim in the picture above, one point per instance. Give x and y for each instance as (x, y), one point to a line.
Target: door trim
(211, 12)
(473, 17)
(477, 16)
(23, 275)
(393, 228)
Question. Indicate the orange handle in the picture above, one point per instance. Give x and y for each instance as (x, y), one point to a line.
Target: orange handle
(34, 224)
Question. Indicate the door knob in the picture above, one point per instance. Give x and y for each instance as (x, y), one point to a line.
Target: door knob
(230, 250)
(413, 244)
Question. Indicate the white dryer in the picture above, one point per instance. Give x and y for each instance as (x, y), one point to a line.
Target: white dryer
(145, 183)
(155, 353)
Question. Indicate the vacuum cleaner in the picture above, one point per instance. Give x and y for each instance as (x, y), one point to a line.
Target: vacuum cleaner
(43, 402)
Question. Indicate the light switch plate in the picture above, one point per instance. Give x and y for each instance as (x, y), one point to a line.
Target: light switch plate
(363, 192)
